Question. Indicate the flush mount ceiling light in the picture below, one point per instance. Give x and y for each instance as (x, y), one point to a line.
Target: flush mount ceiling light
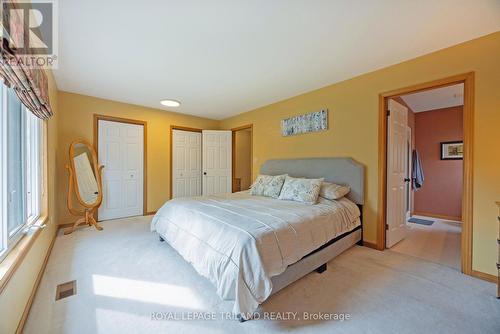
(170, 103)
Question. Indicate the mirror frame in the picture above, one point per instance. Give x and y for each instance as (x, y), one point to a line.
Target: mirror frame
(97, 172)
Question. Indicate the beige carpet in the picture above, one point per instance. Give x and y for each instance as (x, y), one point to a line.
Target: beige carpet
(124, 274)
(439, 242)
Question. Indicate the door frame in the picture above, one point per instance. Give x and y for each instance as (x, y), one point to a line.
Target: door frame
(233, 150)
(467, 195)
(97, 118)
(181, 128)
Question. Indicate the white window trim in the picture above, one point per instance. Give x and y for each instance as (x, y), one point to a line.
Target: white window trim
(15, 236)
(34, 160)
(3, 174)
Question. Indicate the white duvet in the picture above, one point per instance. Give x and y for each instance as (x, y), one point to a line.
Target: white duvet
(239, 241)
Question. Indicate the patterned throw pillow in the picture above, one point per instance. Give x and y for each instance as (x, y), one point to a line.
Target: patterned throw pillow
(333, 191)
(301, 190)
(267, 185)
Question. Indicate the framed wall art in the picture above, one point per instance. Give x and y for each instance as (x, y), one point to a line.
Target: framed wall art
(452, 150)
(311, 122)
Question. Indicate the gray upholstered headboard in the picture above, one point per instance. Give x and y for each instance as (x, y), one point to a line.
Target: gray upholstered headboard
(343, 171)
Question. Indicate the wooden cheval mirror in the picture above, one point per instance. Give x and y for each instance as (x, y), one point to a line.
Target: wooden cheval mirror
(85, 183)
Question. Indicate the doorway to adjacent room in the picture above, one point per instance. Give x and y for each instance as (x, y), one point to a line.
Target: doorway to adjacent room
(429, 147)
(425, 195)
(242, 157)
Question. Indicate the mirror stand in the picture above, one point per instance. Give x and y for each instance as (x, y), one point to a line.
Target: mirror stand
(87, 213)
(85, 183)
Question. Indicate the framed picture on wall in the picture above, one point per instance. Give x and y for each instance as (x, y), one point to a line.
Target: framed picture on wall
(452, 150)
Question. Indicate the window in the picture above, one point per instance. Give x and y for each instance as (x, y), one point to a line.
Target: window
(20, 169)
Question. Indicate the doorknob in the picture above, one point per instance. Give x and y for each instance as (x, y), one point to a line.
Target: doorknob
(204, 173)
(407, 179)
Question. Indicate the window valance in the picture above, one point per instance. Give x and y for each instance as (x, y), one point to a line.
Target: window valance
(18, 66)
(29, 83)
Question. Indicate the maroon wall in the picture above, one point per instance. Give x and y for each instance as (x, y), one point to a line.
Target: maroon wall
(441, 193)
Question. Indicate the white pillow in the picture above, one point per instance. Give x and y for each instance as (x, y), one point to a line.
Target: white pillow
(267, 185)
(333, 191)
(301, 190)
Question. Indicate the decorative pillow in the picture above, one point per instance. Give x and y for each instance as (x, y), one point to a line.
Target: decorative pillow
(333, 191)
(267, 185)
(301, 190)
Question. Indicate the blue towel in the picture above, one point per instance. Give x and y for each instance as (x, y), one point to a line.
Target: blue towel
(417, 173)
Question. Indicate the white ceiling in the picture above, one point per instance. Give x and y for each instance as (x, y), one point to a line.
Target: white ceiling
(444, 97)
(221, 58)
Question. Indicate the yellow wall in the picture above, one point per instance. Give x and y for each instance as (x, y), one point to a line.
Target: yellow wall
(76, 121)
(242, 170)
(353, 129)
(353, 118)
(14, 297)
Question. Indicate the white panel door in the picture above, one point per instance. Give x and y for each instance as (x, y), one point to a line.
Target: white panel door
(409, 153)
(121, 151)
(186, 164)
(397, 146)
(216, 162)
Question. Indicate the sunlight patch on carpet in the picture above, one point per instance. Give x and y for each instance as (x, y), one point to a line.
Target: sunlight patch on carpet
(146, 292)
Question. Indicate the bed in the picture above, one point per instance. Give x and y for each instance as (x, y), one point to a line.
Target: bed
(250, 247)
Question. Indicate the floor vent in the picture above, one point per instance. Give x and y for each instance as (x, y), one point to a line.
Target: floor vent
(65, 290)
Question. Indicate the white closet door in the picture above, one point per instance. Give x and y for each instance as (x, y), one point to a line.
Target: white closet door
(121, 151)
(397, 141)
(186, 164)
(216, 162)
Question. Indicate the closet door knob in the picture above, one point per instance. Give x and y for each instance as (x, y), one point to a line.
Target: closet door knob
(407, 180)
(204, 173)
